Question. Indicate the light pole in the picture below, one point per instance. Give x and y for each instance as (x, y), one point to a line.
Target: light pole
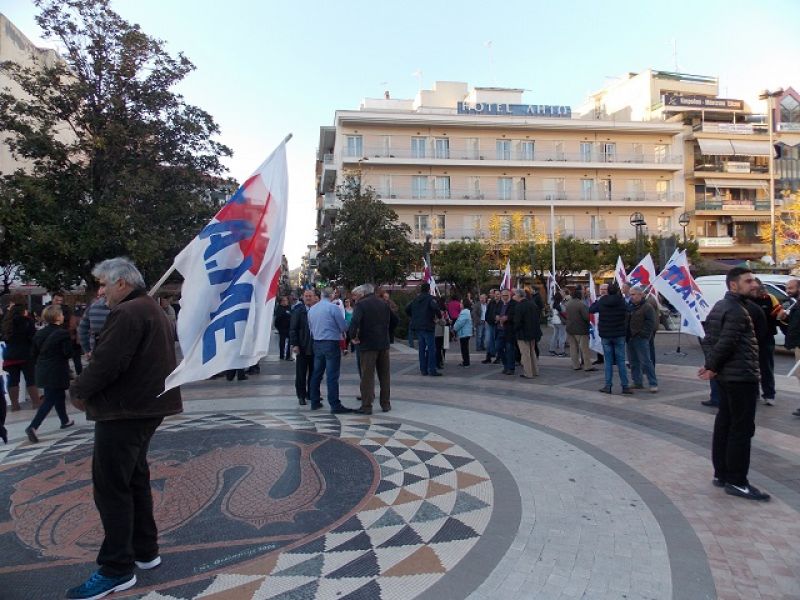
(637, 220)
(683, 221)
(768, 96)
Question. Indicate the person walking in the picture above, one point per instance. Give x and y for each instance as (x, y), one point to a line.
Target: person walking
(731, 357)
(122, 391)
(51, 352)
(283, 318)
(92, 323)
(463, 331)
(302, 345)
(613, 326)
(577, 328)
(18, 331)
(424, 310)
(528, 331)
(369, 329)
(558, 341)
(327, 325)
(641, 323)
(505, 340)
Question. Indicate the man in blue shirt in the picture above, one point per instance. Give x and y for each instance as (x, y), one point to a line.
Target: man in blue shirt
(326, 323)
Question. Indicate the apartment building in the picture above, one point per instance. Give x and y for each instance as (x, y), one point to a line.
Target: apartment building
(459, 162)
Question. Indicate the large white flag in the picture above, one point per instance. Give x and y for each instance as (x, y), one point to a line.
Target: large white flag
(643, 273)
(505, 283)
(678, 286)
(231, 272)
(427, 277)
(619, 273)
(595, 343)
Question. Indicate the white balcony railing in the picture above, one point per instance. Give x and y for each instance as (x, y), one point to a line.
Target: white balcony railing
(599, 234)
(535, 196)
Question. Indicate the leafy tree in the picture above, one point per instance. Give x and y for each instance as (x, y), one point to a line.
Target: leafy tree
(367, 243)
(114, 162)
(787, 230)
(463, 263)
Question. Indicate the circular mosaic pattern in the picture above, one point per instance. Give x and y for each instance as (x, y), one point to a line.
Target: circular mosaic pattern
(258, 504)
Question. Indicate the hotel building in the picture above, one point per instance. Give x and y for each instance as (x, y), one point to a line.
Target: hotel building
(474, 163)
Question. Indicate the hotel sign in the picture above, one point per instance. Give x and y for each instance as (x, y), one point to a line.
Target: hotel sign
(514, 110)
(703, 102)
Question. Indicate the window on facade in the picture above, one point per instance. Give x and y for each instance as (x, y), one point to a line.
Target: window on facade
(503, 149)
(587, 189)
(419, 186)
(472, 226)
(638, 153)
(586, 151)
(526, 150)
(609, 152)
(354, 146)
(474, 188)
(554, 188)
(521, 189)
(528, 226)
(660, 153)
(441, 148)
(565, 225)
(664, 225)
(418, 147)
(662, 191)
(605, 189)
(386, 186)
(386, 145)
(441, 186)
(597, 225)
(473, 149)
(438, 226)
(559, 147)
(505, 227)
(505, 188)
(635, 189)
(421, 226)
(790, 110)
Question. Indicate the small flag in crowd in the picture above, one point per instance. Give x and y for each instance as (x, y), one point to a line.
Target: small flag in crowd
(427, 277)
(595, 343)
(678, 286)
(619, 273)
(643, 274)
(231, 272)
(505, 284)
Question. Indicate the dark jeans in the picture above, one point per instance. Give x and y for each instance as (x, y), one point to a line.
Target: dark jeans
(653, 350)
(121, 479)
(328, 360)
(440, 352)
(464, 343)
(614, 351)
(490, 334)
(371, 361)
(304, 366)
(641, 363)
(283, 344)
(77, 353)
(733, 430)
(766, 364)
(506, 347)
(427, 352)
(714, 394)
(53, 397)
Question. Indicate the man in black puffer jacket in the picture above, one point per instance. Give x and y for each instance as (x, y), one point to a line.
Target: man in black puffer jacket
(731, 356)
(613, 311)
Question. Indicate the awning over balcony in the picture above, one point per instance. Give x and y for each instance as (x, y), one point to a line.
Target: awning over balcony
(742, 184)
(750, 148)
(751, 219)
(716, 147)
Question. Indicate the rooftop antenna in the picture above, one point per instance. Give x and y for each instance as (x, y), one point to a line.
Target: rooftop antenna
(418, 75)
(488, 45)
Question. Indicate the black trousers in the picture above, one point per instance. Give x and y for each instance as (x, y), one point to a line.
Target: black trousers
(283, 344)
(766, 363)
(733, 430)
(464, 342)
(121, 480)
(303, 367)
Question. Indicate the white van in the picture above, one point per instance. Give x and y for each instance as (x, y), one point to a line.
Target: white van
(714, 288)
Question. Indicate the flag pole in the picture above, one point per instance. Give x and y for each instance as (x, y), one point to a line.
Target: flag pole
(169, 272)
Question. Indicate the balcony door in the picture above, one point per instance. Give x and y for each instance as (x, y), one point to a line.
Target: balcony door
(418, 145)
(441, 148)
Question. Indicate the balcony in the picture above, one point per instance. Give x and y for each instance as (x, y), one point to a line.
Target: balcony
(464, 197)
(328, 176)
(450, 234)
(722, 205)
(567, 153)
(713, 164)
(732, 128)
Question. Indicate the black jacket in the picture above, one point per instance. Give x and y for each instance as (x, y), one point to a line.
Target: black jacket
(641, 321)
(793, 328)
(299, 333)
(527, 320)
(508, 328)
(491, 311)
(760, 324)
(423, 311)
(283, 315)
(766, 304)
(730, 345)
(613, 311)
(52, 349)
(134, 355)
(372, 320)
(18, 343)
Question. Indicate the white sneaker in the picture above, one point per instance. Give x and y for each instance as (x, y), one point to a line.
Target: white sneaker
(150, 564)
(769, 401)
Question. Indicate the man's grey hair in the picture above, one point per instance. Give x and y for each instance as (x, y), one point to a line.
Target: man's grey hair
(114, 269)
(364, 289)
(638, 289)
(519, 292)
(327, 293)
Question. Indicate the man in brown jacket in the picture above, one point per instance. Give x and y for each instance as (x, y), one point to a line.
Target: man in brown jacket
(120, 392)
(578, 331)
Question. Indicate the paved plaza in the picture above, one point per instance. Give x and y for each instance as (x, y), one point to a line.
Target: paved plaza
(475, 485)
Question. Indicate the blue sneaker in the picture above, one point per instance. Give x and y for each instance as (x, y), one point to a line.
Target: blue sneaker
(99, 586)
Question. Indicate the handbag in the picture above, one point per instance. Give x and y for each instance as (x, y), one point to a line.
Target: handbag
(446, 342)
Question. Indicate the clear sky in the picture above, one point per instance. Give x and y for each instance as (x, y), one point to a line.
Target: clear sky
(267, 68)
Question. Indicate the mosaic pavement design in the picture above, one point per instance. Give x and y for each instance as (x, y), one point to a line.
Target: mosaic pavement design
(357, 507)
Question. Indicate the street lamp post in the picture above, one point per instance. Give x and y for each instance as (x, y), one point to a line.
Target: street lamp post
(768, 96)
(683, 221)
(637, 220)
